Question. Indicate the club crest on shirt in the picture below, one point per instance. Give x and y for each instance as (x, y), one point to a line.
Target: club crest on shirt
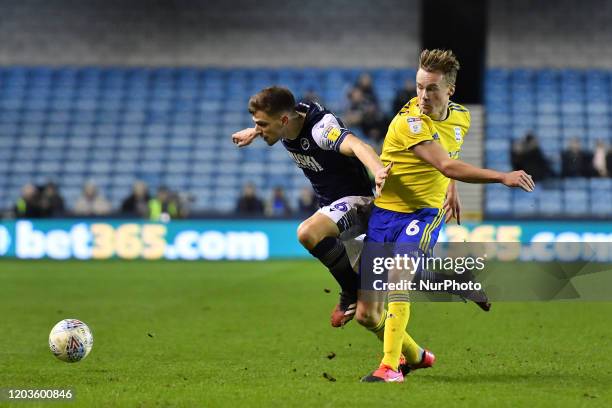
(458, 134)
(304, 143)
(415, 124)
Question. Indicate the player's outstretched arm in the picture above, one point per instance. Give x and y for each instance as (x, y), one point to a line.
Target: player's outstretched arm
(244, 137)
(435, 155)
(355, 147)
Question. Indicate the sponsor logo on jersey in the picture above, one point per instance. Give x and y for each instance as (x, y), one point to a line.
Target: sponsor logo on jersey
(331, 133)
(458, 134)
(306, 162)
(436, 136)
(415, 124)
(304, 143)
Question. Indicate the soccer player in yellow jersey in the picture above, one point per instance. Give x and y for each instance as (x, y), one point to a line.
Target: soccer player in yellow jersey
(421, 146)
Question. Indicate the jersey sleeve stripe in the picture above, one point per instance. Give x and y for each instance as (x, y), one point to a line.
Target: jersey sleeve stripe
(338, 142)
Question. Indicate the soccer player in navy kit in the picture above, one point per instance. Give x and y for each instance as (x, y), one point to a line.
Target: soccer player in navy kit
(335, 162)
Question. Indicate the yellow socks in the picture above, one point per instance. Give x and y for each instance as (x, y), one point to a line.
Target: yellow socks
(395, 326)
(412, 351)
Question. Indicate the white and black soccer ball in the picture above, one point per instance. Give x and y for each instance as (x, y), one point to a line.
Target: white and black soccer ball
(70, 340)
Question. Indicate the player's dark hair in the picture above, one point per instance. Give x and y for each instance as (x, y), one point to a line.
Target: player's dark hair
(444, 61)
(272, 101)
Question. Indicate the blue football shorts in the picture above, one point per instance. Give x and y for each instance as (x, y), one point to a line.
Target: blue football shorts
(419, 229)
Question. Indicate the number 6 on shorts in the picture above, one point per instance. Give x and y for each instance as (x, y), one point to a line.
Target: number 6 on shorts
(413, 228)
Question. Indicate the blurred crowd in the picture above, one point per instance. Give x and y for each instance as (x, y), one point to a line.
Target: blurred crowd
(363, 113)
(576, 160)
(277, 205)
(46, 202)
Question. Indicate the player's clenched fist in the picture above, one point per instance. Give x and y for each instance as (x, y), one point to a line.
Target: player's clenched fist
(244, 137)
(519, 179)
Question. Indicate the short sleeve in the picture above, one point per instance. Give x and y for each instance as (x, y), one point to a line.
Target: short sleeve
(328, 134)
(468, 120)
(413, 130)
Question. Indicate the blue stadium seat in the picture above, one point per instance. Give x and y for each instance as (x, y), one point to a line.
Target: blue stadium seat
(100, 166)
(524, 118)
(600, 133)
(498, 208)
(500, 119)
(550, 202)
(224, 199)
(202, 197)
(173, 124)
(154, 167)
(17, 180)
(202, 168)
(576, 202)
(5, 156)
(253, 168)
(575, 183)
(128, 155)
(34, 130)
(259, 180)
(26, 154)
(178, 167)
(601, 203)
(548, 105)
(548, 134)
(180, 155)
(277, 180)
(49, 167)
(600, 184)
(122, 180)
(73, 180)
(525, 204)
(125, 166)
(6, 142)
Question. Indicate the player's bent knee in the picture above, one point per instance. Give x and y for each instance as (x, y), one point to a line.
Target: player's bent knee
(304, 235)
(308, 235)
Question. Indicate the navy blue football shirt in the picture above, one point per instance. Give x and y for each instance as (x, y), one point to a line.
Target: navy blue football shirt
(316, 151)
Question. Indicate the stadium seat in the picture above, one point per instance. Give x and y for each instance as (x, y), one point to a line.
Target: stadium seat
(570, 103)
(550, 203)
(173, 124)
(601, 204)
(576, 202)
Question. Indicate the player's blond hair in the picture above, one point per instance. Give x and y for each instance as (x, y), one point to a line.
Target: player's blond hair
(444, 61)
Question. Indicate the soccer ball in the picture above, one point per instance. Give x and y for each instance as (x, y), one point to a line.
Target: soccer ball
(70, 340)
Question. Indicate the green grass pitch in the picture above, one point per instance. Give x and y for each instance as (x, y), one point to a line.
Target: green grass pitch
(257, 334)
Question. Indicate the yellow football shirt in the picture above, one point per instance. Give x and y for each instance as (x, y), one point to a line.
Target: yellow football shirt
(412, 182)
